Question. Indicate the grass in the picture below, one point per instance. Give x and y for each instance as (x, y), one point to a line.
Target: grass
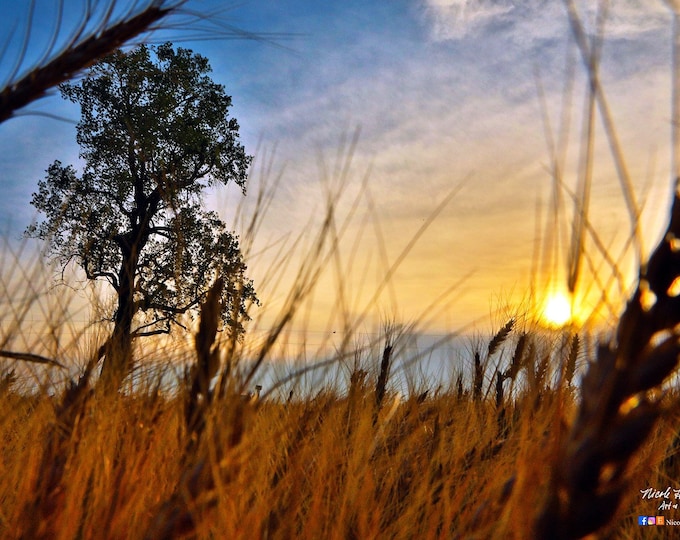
(328, 465)
(491, 453)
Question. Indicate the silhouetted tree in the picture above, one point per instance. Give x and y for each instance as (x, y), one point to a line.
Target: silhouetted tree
(154, 133)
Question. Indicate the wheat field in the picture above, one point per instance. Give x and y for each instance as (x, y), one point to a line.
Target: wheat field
(536, 434)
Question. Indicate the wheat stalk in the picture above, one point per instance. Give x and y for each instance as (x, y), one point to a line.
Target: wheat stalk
(78, 54)
(499, 338)
(616, 415)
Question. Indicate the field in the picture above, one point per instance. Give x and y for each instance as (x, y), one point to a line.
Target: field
(538, 433)
(451, 463)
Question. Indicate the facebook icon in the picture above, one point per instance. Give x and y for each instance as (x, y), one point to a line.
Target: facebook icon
(642, 520)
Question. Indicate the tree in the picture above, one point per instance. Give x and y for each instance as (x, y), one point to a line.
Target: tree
(154, 133)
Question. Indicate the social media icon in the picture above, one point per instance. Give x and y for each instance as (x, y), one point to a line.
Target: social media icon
(660, 520)
(642, 520)
(651, 520)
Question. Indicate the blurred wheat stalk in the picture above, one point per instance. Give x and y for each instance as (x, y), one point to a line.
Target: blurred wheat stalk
(96, 35)
(101, 28)
(620, 398)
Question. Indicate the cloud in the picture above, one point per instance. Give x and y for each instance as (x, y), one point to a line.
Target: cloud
(434, 113)
(453, 19)
(531, 20)
(460, 103)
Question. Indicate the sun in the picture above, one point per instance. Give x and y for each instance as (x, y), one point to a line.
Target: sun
(557, 310)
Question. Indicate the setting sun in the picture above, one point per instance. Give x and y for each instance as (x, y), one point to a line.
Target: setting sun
(557, 311)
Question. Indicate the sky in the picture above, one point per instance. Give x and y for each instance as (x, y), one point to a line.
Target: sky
(443, 96)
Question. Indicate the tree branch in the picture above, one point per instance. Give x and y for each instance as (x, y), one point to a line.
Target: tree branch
(111, 278)
(158, 332)
(173, 309)
(162, 230)
(167, 320)
(107, 194)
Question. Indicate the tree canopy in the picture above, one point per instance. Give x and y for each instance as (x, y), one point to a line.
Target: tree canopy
(154, 134)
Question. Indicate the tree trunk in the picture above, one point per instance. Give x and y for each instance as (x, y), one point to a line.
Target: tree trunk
(118, 349)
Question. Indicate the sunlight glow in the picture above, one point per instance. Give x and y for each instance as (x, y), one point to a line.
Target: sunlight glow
(557, 311)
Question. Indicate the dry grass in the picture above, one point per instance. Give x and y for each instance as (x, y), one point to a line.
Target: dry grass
(364, 462)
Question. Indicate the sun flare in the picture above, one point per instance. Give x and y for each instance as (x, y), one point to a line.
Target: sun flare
(557, 310)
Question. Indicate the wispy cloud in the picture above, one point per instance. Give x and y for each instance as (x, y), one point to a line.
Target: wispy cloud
(529, 20)
(442, 92)
(454, 19)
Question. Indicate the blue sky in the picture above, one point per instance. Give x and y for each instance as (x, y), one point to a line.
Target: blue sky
(444, 93)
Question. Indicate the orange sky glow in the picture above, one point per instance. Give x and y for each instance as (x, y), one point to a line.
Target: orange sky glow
(436, 130)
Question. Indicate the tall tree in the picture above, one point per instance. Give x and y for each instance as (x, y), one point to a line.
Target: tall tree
(154, 134)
